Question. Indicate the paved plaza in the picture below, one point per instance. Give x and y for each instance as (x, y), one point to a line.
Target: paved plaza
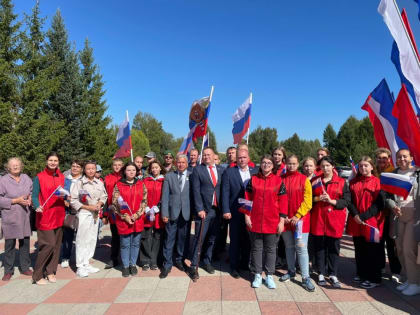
(106, 292)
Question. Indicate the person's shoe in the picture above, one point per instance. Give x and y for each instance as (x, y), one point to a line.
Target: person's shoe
(51, 278)
(7, 276)
(269, 281)
(194, 274)
(357, 279)
(65, 263)
(145, 267)
(209, 268)
(257, 280)
(82, 272)
(369, 285)
(235, 274)
(91, 269)
(412, 289)
(125, 272)
(179, 265)
(403, 286)
(321, 281)
(335, 283)
(308, 285)
(111, 264)
(133, 270)
(28, 272)
(287, 277)
(154, 267)
(164, 273)
(396, 277)
(41, 282)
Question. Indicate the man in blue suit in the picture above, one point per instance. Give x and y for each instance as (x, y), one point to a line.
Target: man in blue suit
(205, 179)
(234, 181)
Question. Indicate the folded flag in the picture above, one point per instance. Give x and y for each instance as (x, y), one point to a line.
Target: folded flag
(123, 205)
(61, 192)
(245, 206)
(397, 184)
(374, 235)
(83, 195)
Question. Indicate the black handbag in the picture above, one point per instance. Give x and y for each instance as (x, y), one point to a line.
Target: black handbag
(71, 221)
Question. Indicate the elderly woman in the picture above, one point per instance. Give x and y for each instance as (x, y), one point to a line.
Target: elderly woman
(15, 197)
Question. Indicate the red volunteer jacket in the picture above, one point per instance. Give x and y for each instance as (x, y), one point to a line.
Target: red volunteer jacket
(269, 198)
(110, 181)
(154, 195)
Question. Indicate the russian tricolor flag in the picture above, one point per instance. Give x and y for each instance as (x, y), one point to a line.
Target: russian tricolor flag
(187, 144)
(374, 234)
(124, 139)
(61, 192)
(241, 120)
(245, 206)
(397, 184)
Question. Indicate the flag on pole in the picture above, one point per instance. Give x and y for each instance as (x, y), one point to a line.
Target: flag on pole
(245, 206)
(199, 114)
(379, 105)
(408, 125)
(354, 169)
(83, 195)
(124, 140)
(417, 1)
(123, 205)
(408, 59)
(187, 144)
(395, 58)
(206, 140)
(61, 192)
(241, 120)
(396, 184)
(374, 234)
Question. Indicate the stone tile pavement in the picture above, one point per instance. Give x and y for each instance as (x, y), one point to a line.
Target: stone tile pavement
(106, 292)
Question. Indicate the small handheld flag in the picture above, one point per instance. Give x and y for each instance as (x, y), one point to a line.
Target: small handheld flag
(61, 192)
(83, 195)
(298, 230)
(123, 205)
(374, 234)
(245, 206)
(151, 212)
(354, 169)
(397, 184)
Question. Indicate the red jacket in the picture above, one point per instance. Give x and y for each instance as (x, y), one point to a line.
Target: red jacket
(325, 218)
(364, 191)
(281, 170)
(295, 187)
(53, 212)
(269, 198)
(110, 181)
(133, 195)
(154, 195)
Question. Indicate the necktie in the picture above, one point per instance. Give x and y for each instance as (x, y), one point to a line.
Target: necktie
(180, 181)
(213, 179)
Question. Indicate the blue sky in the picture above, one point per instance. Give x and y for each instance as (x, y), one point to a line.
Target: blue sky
(307, 63)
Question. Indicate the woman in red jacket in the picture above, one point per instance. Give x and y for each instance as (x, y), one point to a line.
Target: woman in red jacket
(129, 199)
(296, 229)
(153, 225)
(328, 216)
(269, 203)
(50, 213)
(365, 217)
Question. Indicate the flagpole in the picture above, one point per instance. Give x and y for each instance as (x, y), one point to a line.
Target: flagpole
(406, 33)
(202, 144)
(249, 127)
(131, 145)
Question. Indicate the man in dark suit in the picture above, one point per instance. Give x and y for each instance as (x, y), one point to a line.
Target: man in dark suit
(234, 181)
(205, 179)
(176, 214)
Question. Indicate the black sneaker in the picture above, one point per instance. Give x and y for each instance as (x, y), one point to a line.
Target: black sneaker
(235, 274)
(133, 270)
(194, 275)
(179, 265)
(209, 268)
(153, 267)
(126, 272)
(145, 267)
(164, 273)
(111, 264)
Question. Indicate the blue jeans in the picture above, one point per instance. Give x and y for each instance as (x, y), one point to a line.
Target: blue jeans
(130, 246)
(300, 247)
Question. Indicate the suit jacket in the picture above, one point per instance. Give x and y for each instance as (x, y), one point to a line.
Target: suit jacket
(233, 188)
(203, 189)
(174, 201)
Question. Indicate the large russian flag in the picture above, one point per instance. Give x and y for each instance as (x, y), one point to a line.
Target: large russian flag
(241, 120)
(397, 184)
(124, 140)
(187, 144)
(379, 105)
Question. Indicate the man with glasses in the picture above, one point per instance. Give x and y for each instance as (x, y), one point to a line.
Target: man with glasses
(168, 163)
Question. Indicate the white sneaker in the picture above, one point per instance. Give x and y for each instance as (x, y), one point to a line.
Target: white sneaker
(412, 289)
(82, 272)
(65, 263)
(396, 277)
(403, 286)
(91, 269)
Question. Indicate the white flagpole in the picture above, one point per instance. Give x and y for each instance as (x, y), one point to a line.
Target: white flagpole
(131, 149)
(249, 127)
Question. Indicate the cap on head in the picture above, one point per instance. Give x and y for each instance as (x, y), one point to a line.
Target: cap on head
(98, 168)
(150, 155)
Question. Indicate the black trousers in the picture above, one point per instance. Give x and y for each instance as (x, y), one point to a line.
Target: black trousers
(10, 253)
(150, 245)
(368, 259)
(220, 245)
(327, 252)
(389, 243)
(263, 248)
(115, 243)
(240, 244)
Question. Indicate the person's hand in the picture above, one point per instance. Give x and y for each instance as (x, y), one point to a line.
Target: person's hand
(128, 219)
(248, 221)
(397, 211)
(66, 203)
(165, 219)
(105, 221)
(98, 207)
(280, 227)
(294, 220)
(357, 219)
(227, 216)
(202, 214)
(22, 200)
(325, 198)
(39, 209)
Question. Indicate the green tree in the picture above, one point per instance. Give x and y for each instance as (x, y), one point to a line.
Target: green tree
(300, 147)
(140, 143)
(212, 141)
(263, 141)
(329, 139)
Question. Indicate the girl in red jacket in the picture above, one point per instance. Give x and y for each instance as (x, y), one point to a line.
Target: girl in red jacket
(153, 225)
(268, 194)
(328, 216)
(129, 199)
(365, 216)
(50, 214)
(296, 229)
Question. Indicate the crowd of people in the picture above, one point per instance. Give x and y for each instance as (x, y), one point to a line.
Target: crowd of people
(282, 212)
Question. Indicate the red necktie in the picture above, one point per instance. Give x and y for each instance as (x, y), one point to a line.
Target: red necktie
(213, 179)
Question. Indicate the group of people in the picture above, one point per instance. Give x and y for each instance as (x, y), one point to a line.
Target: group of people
(271, 212)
